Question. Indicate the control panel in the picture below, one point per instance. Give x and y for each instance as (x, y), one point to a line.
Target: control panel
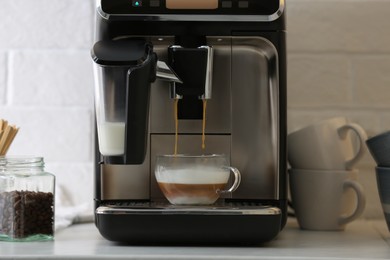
(191, 7)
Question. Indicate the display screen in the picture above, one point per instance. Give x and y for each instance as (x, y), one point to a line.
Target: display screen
(191, 7)
(192, 4)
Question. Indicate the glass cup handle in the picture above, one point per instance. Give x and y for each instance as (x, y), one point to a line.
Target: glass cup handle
(237, 180)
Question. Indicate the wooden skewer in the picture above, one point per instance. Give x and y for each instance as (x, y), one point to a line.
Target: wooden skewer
(3, 124)
(11, 136)
(4, 138)
(7, 135)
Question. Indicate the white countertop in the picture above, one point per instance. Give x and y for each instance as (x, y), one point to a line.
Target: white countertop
(362, 239)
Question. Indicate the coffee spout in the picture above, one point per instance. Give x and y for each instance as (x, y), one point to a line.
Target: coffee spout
(195, 67)
(209, 73)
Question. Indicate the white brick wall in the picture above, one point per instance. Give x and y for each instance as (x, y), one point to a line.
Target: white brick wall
(338, 65)
(51, 78)
(46, 86)
(3, 65)
(43, 24)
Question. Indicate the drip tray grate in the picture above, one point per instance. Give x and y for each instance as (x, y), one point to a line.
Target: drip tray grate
(222, 208)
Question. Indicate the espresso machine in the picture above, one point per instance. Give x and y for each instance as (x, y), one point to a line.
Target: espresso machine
(150, 54)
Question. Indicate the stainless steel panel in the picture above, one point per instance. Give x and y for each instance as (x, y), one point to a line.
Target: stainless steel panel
(125, 182)
(255, 117)
(242, 121)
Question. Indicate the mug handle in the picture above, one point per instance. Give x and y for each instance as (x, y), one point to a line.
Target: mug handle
(361, 201)
(362, 136)
(237, 180)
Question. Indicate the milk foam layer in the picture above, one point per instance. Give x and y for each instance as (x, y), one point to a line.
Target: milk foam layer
(201, 175)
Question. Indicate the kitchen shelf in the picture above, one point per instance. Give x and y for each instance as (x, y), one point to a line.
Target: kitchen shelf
(362, 239)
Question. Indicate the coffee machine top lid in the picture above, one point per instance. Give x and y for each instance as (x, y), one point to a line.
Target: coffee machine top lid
(115, 52)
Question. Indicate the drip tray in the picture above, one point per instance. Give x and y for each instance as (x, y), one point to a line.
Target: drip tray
(162, 223)
(161, 208)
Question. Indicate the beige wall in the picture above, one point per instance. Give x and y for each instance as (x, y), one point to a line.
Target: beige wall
(339, 65)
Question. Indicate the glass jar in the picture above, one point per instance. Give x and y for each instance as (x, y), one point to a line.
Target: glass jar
(26, 200)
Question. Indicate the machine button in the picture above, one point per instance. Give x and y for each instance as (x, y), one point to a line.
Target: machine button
(155, 3)
(243, 4)
(227, 4)
(137, 3)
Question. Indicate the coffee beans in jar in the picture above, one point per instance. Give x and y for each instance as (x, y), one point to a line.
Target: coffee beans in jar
(26, 200)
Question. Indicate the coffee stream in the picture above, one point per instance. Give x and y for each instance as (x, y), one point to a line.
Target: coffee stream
(175, 112)
(204, 124)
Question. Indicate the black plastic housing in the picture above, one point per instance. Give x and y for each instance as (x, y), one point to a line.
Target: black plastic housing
(190, 65)
(203, 229)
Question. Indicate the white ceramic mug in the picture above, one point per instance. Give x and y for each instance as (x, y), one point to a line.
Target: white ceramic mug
(326, 200)
(326, 145)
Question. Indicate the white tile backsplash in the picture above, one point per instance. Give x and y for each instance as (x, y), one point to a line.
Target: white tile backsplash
(338, 25)
(372, 80)
(51, 78)
(29, 24)
(3, 79)
(59, 134)
(318, 80)
(338, 65)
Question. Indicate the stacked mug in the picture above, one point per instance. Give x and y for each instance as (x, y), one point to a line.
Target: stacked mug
(379, 147)
(325, 191)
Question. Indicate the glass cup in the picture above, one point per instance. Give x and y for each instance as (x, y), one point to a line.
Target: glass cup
(195, 180)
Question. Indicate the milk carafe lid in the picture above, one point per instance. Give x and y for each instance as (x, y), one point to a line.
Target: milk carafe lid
(116, 52)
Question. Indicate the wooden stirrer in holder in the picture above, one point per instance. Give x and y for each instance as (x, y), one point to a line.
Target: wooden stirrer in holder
(7, 135)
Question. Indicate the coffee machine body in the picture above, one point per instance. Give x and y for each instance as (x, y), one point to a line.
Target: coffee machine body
(230, 53)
